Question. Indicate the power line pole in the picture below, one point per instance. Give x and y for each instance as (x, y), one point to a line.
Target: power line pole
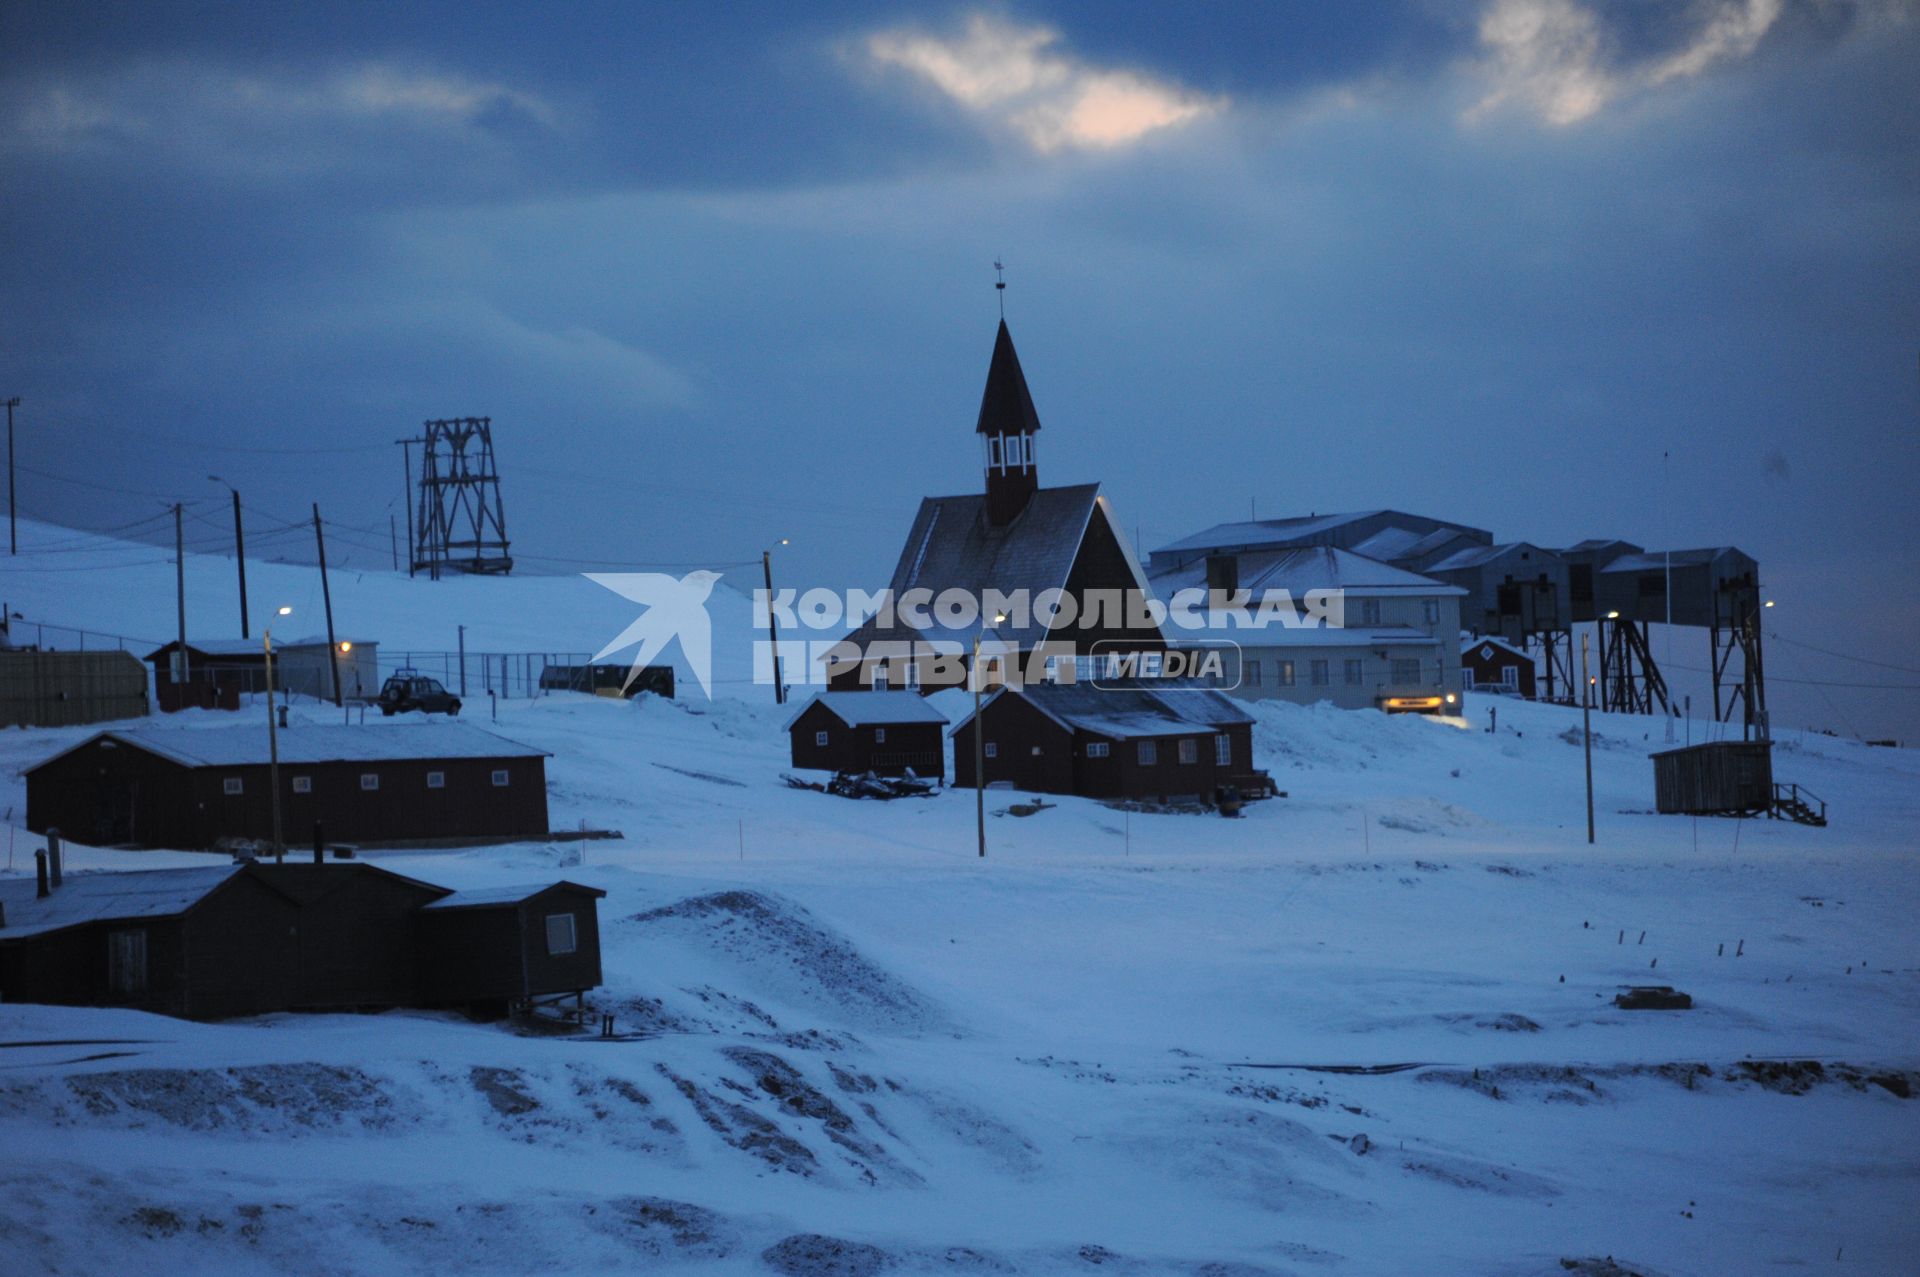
(240, 559)
(180, 597)
(393, 541)
(239, 549)
(326, 596)
(273, 747)
(773, 631)
(406, 458)
(13, 529)
(1586, 728)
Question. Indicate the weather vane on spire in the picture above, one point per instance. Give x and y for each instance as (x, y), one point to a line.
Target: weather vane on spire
(1000, 285)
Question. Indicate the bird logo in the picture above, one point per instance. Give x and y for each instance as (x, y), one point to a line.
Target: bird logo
(676, 609)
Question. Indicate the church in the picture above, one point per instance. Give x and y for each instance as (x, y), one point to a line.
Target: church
(1059, 547)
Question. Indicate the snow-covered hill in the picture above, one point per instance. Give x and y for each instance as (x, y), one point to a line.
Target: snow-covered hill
(1122, 1042)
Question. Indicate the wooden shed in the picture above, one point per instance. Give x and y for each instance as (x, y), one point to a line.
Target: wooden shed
(509, 945)
(1728, 777)
(1112, 742)
(224, 940)
(887, 733)
(1489, 664)
(207, 673)
(254, 938)
(193, 787)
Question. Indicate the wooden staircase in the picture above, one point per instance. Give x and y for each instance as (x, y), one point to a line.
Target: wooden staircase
(1790, 802)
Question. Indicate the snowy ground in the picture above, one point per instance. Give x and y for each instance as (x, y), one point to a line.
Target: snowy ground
(867, 1050)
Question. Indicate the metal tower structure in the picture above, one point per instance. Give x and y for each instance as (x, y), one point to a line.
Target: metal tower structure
(462, 526)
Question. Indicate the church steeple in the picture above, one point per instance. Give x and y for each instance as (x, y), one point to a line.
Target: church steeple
(1007, 424)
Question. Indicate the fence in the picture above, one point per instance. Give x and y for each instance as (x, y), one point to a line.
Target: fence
(65, 689)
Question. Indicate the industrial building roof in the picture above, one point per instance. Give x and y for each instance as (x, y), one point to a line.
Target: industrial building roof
(1304, 568)
(1479, 555)
(878, 708)
(1292, 530)
(311, 743)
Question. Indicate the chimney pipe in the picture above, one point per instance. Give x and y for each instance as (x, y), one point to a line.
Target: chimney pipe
(56, 858)
(40, 872)
(319, 844)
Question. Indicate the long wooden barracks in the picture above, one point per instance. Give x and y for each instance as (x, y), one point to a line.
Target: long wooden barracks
(190, 788)
(251, 938)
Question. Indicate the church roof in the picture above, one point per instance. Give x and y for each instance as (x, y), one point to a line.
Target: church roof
(1006, 408)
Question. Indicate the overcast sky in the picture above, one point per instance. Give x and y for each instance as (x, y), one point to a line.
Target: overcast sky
(722, 274)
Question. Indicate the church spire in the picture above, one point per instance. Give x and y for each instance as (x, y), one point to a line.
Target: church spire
(1008, 423)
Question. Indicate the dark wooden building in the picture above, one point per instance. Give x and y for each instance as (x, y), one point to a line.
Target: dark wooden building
(1728, 777)
(510, 944)
(1488, 664)
(1111, 742)
(1016, 538)
(253, 938)
(887, 733)
(213, 674)
(194, 787)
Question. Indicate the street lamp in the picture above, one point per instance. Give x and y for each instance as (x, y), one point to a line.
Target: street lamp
(773, 630)
(979, 743)
(273, 741)
(239, 548)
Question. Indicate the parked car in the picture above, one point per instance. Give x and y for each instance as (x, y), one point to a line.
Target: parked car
(407, 690)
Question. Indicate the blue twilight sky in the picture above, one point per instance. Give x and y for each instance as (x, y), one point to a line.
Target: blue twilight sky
(722, 274)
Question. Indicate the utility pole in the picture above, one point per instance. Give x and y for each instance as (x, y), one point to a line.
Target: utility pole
(239, 549)
(180, 596)
(406, 457)
(326, 596)
(273, 747)
(1586, 728)
(393, 541)
(979, 754)
(13, 527)
(773, 630)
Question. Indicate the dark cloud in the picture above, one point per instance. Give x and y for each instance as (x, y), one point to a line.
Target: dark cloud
(720, 279)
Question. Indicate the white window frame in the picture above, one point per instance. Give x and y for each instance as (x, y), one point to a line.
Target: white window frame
(303, 784)
(991, 749)
(879, 735)
(436, 780)
(1222, 750)
(569, 942)
(1510, 676)
(1148, 753)
(501, 778)
(820, 740)
(369, 781)
(1189, 752)
(1098, 749)
(232, 785)
(1466, 679)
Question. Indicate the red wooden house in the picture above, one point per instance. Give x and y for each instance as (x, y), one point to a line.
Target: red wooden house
(1494, 665)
